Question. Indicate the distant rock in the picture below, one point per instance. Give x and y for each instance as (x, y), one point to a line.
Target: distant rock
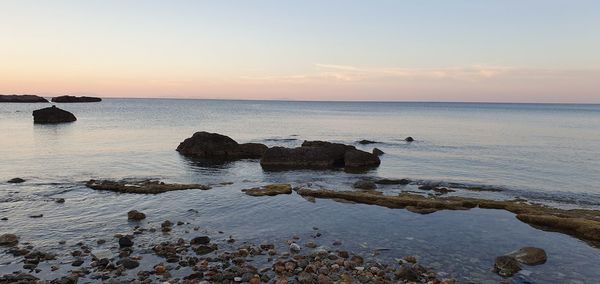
(318, 155)
(22, 99)
(216, 146)
(392, 181)
(141, 186)
(409, 139)
(51, 115)
(74, 99)
(365, 184)
(377, 152)
(365, 142)
(16, 180)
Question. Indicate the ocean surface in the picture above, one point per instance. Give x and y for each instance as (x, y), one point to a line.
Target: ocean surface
(547, 153)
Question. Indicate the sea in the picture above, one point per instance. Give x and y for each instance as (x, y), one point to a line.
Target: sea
(545, 153)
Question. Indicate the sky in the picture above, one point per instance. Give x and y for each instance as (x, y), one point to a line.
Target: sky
(480, 51)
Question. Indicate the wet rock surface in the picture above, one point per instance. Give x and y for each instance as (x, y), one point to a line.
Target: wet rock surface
(216, 146)
(141, 186)
(364, 184)
(530, 255)
(52, 115)
(16, 180)
(75, 99)
(135, 215)
(8, 240)
(269, 190)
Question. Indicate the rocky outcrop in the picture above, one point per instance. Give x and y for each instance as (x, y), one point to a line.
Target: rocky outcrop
(9, 240)
(74, 99)
(318, 155)
(143, 186)
(52, 115)
(377, 152)
(506, 266)
(216, 146)
(530, 255)
(269, 190)
(22, 99)
(135, 215)
(16, 180)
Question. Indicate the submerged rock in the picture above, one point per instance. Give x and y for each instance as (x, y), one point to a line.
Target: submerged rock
(74, 99)
(216, 146)
(9, 240)
(393, 181)
(16, 180)
(365, 184)
(143, 186)
(52, 115)
(409, 139)
(22, 99)
(269, 190)
(366, 142)
(318, 155)
(506, 266)
(135, 215)
(530, 255)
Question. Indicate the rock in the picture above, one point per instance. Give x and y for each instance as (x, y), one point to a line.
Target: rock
(392, 181)
(506, 265)
(317, 155)
(410, 272)
(216, 146)
(76, 263)
(365, 142)
(377, 152)
(16, 180)
(74, 99)
(125, 242)
(36, 216)
(410, 258)
(9, 240)
(135, 215)
(19, 277)
(365, 184)
(141, 186)
(306, 278)
(409, 139)
(295, 248)
(60, 200)
(129, 263)
(269, 190)
(530, 255)
(101, 254)
(22, 99)
(51, 115)
(202, 240)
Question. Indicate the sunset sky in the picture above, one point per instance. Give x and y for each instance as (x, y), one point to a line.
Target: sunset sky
(499, 51)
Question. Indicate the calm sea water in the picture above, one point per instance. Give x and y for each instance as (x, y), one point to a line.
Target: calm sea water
(543, 152)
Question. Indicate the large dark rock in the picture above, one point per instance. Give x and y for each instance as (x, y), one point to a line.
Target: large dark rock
(22, 99)
(216, 146)
(74, 99)
(51, 115)
(318, 155)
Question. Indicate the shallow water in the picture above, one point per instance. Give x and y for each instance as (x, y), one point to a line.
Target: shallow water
(547, 153)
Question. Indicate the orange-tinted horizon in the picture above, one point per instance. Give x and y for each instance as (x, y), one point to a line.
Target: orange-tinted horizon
(270, 50)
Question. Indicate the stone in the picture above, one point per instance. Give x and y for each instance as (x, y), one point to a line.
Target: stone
(269, 190)
(129, 263)
(506, 265)
(409, 139)
(530, 255)
(52, 115)
(74, 99)
(365, 184)
(365, 142)
(136, 215)
(9, 240)
(16, 180)
(393, 181)
(295, 248)
(22, 99)
(202, 240)
(216, 146)
(125, 242)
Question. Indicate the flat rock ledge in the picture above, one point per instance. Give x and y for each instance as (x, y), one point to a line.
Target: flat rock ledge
(74, 99)
(580, 223)
(216, 146)
(269, 190)
(141, 187)
(52, 115)
(22, 99)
